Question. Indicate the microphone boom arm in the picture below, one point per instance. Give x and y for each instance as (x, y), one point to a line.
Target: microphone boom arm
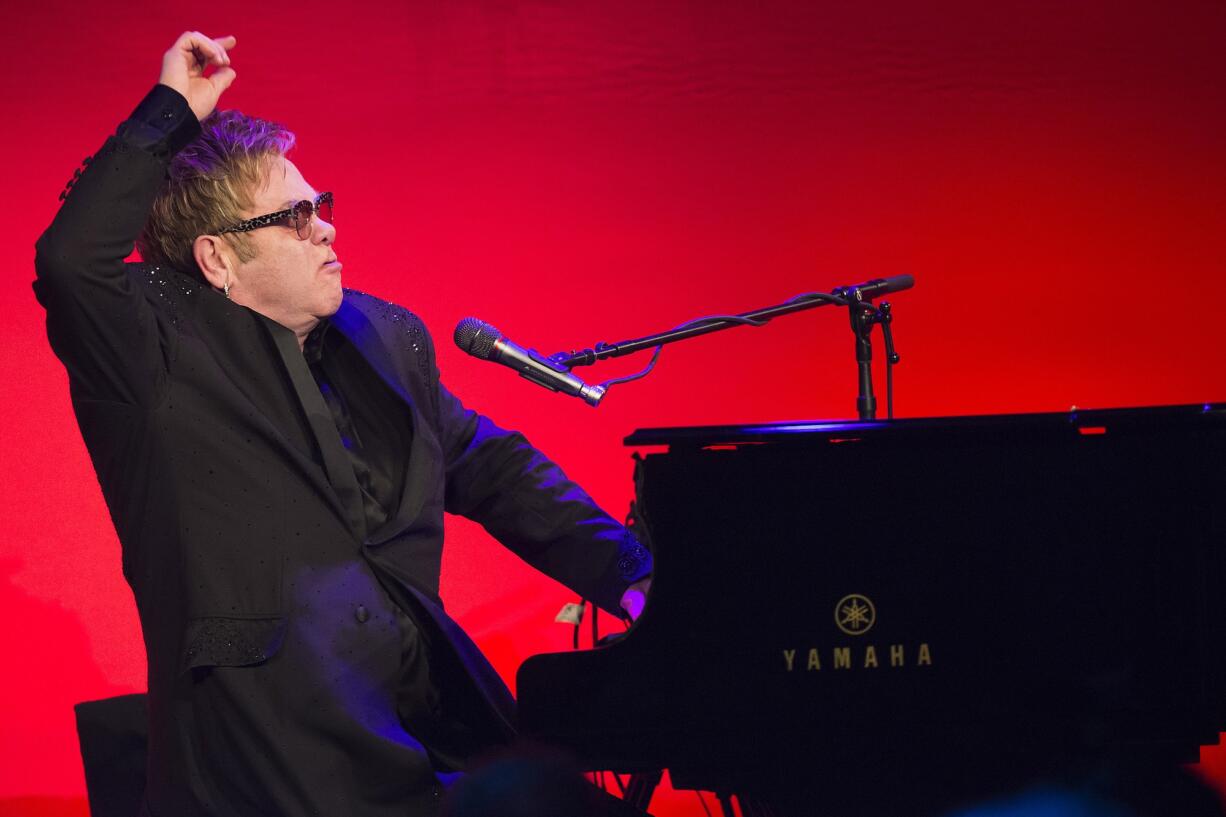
(691, 329)
(843, 296)
(858, 299)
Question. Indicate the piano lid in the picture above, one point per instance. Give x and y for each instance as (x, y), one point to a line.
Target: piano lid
(1076, 421)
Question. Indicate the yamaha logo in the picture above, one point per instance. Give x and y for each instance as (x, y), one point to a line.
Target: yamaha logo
(855, 614)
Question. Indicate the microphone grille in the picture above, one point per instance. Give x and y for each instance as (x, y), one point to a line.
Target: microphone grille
(476, 337)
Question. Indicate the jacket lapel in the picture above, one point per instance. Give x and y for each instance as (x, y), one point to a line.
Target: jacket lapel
(358, 328)
(261, 380)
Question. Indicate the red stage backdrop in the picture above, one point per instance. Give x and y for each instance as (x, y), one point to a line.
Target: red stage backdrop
(1052, 173)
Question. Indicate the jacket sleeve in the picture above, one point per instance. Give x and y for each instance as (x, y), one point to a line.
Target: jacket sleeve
(525, 501)
(99, 324)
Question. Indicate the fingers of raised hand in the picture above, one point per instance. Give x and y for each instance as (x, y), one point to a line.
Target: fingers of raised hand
(222, 77)
(204, 51)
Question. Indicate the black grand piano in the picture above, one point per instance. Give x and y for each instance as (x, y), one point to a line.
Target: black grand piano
(897, 617)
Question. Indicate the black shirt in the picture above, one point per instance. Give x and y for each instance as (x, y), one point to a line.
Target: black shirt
(374, 424)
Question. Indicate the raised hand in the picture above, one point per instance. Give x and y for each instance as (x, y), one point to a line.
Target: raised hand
(183, 70)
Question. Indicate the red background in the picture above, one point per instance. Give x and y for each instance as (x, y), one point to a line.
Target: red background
(1052, 173)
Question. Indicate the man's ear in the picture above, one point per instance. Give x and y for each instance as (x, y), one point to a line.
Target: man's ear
(215, 259)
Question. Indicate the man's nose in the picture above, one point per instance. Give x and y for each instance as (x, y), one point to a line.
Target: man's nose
(323, 232)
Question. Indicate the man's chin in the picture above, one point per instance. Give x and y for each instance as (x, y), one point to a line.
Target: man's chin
(334, 302)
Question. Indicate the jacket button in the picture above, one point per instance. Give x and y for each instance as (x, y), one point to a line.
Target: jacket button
(361, 614)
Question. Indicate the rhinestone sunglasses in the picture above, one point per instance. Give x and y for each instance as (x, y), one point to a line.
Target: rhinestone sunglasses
(300, 217)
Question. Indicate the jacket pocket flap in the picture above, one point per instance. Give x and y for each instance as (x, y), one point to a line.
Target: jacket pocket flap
(231, 642)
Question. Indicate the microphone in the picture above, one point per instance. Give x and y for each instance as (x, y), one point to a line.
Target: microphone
(483, 341)
(875, 288)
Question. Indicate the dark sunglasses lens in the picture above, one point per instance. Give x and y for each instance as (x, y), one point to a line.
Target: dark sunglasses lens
(302, 218)
(325, 209)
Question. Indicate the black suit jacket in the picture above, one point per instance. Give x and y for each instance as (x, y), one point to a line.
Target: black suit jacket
(267, 610)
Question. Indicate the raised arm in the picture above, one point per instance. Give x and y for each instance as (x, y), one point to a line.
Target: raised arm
(98, 323)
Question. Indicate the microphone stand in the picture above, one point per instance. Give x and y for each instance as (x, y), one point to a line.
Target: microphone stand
(862, 320)
(863, 314)
(691, 329)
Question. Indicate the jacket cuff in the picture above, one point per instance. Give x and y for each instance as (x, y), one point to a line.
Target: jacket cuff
(161, 124)
(634, 561)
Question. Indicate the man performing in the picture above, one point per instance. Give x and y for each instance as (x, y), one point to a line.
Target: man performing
(277, 454)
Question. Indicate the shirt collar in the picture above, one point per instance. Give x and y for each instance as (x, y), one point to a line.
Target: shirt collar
(313, 347)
